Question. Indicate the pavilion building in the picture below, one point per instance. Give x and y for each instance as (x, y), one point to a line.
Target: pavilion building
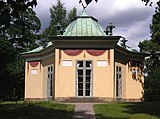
(84, 64)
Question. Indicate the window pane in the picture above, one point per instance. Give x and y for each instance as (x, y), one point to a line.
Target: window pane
(50, 93)
(80, 64)
(48, 69)
(88, 64)
(116, 69)
(87, 92)
(116, 76)
(80, 72)
(80, 85)
(88, 79)
(51, 68)
(116, 93)
(88, 72)
(80, 92)
(87, 85)
(117, 82)
(119, 69)
(80, 78)
(119, 75)
(51, 76)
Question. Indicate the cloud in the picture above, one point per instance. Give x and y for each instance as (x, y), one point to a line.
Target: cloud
(131, 17)
(135, 33)
(124, 5)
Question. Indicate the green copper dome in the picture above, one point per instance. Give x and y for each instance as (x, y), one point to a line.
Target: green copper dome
(84, 25)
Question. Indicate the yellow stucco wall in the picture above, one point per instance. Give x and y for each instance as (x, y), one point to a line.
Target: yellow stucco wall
(64, 85)
(45, 64)
(131, 88)
(134, 86)
(33, 82)
(36, 84)
(102, 79)
(65, 76)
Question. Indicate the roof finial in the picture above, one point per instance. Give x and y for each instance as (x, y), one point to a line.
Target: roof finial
(123, 42)
(87, 3)
(109, 29)
(80, 2)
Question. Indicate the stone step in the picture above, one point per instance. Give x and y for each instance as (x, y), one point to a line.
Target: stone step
(83, 100)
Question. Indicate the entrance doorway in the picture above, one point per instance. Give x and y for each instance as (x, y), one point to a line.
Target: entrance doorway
(84, 78)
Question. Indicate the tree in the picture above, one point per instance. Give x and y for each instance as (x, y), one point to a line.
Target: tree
(7, 54)
(23, 34)
(60, 17)
(71, 16)
(18, 31)
(19, 23)
(155, 26)
(11, 11)
(12, 71)
(152, 63)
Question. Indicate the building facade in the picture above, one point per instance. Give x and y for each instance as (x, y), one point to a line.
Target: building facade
(84, 63)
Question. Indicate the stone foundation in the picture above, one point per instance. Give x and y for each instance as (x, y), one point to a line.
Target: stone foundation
(83, 99)
(37, 99)
(131, 100)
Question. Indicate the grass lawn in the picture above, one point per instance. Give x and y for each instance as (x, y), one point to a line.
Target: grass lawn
(36, 110)
(120, 110)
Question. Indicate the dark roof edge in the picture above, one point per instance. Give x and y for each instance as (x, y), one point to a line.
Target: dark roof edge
(84, 17)
(119, 48)
(84, 37)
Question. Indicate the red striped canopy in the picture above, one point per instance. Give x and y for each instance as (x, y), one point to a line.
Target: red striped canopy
(34, 63)
(72, 52)
(91, 52)
(96, 52)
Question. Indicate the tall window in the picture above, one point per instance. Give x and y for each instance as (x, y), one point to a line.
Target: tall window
(84, 78)
(118, 82)
(50, 80)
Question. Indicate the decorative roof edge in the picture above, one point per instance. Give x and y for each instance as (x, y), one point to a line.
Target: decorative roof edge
(39, 49)
(89, 38)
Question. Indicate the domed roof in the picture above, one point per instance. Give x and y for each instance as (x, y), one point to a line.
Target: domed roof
(84, 25)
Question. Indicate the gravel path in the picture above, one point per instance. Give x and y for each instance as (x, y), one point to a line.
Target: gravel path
(84, 111)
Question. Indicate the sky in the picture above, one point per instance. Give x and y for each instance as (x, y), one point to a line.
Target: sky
(130, 17)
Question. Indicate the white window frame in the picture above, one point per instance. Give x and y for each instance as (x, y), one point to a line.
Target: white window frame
(50, 81)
